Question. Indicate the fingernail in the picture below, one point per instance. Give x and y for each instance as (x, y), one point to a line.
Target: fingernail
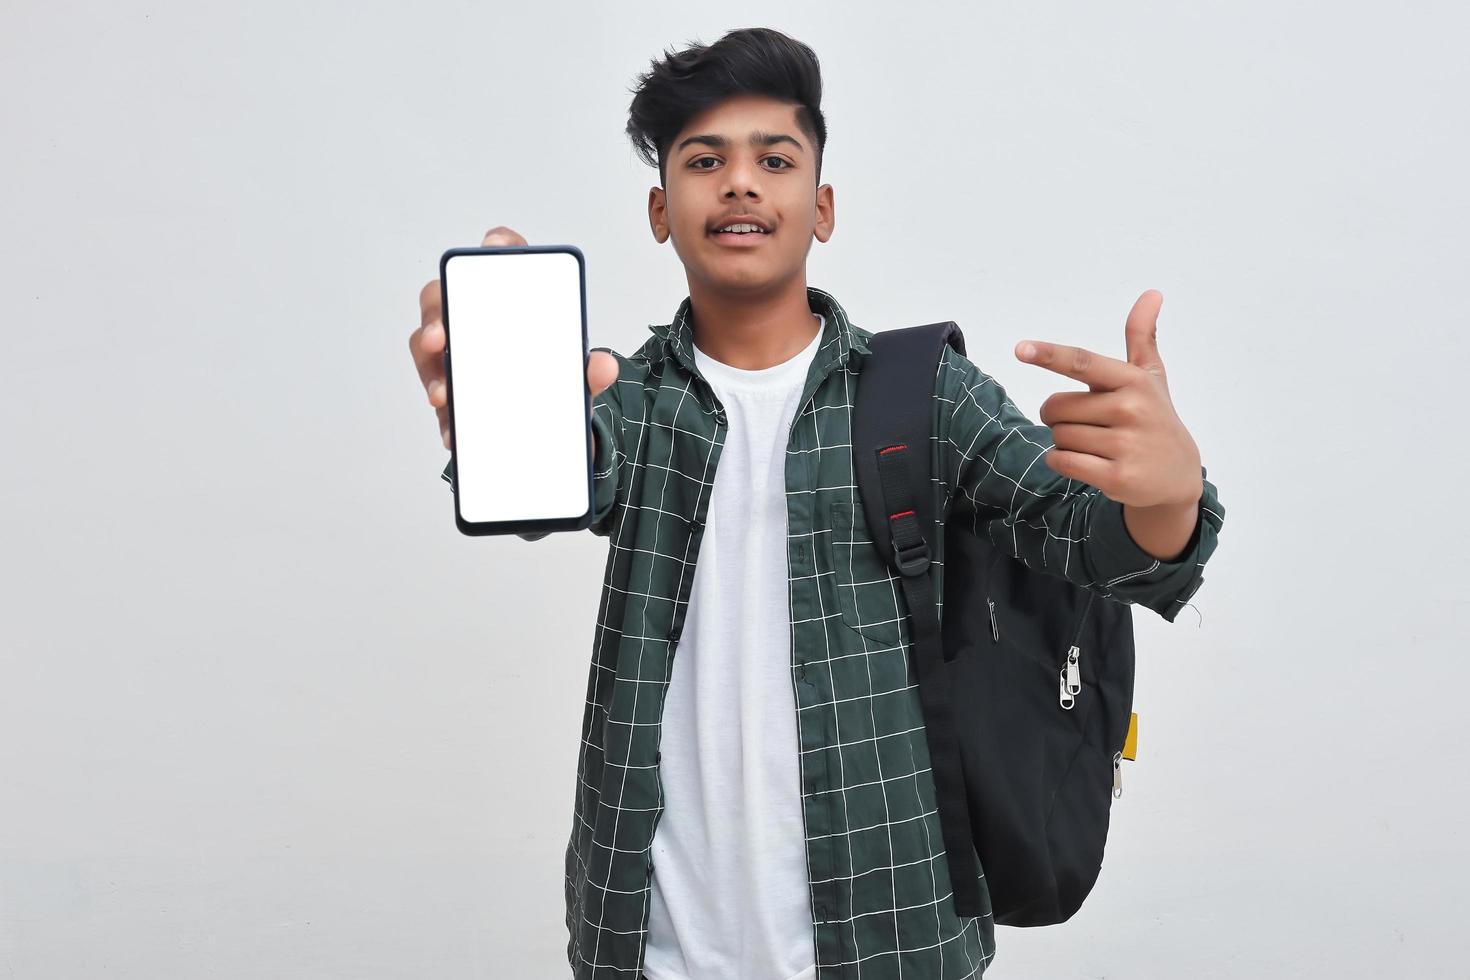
(1028, 350)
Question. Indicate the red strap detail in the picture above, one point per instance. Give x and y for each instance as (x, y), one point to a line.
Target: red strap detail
(892, 449)
(902, 513)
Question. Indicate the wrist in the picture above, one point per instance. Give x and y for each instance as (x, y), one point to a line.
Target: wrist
(1163, 531)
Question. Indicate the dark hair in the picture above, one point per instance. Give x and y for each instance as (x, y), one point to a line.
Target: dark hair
(755, 60)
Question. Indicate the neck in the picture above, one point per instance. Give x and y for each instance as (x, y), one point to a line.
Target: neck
(752, 332)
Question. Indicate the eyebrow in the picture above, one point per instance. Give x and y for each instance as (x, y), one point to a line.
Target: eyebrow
(757, 138)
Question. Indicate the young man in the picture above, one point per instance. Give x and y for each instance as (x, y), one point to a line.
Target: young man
(754, 797)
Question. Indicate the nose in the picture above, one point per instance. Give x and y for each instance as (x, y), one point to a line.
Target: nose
(741, 178)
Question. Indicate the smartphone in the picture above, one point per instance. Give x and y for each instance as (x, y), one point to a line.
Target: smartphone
(515, 367)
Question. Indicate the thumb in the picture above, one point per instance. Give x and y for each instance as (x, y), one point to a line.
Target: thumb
(1141, 332)
(602, 370)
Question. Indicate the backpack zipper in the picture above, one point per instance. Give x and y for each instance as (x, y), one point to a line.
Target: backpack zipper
(1117, 775)
(1070, 681)
(994, 623)
(1071, 672)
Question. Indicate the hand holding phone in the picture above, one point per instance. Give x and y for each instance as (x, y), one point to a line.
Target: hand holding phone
(428, 347)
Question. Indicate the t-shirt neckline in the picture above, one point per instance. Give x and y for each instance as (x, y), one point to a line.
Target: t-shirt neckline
(762, 377)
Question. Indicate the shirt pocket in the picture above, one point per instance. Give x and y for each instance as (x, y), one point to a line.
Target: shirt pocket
(869, 593)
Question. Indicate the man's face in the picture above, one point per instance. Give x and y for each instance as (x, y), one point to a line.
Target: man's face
(714, 173)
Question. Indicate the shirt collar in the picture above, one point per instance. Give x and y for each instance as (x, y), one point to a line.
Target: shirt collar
(840, 339)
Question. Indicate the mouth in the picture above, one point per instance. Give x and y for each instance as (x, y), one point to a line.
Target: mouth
(740, 239)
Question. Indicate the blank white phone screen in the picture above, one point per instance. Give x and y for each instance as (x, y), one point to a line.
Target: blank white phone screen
(518, 378)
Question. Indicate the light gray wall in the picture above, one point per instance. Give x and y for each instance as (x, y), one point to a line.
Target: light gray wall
(264, 712)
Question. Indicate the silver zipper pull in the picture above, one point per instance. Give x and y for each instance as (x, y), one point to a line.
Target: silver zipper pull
(994, 626)
(1063, 694)
(1074, 673)
(1117, 775)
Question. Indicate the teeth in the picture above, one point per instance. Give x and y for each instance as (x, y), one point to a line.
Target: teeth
(742, 229)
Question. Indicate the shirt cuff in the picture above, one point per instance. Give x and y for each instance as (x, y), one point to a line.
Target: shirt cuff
(604, 474)
(1131, 574)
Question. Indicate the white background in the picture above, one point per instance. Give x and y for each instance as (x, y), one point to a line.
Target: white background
(265, 713)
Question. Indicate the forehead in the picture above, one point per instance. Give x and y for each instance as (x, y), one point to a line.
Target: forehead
(739, 115)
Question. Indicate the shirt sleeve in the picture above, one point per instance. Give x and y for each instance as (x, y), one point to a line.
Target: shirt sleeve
(991, 458)
(607, 430)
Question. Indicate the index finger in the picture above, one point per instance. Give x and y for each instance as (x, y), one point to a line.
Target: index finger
(1098, 371)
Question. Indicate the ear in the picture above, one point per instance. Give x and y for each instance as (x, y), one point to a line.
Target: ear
(658, 220)
(826, 215)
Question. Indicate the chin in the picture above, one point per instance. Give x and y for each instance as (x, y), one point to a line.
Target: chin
(742, 279)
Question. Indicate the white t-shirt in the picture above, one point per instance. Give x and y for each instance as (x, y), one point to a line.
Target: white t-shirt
(730, 894)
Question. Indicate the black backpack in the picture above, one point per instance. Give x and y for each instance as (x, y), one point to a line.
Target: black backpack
(1026, 771)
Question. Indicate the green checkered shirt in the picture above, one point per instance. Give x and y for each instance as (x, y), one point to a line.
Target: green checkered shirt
(879, 879)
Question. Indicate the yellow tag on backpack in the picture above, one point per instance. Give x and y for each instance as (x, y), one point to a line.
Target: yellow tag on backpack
(1130, 744)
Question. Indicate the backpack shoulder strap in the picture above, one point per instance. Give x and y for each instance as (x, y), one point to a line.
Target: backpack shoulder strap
(895, 408)
(891, 426)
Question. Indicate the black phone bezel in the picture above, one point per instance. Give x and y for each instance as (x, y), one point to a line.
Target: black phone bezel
(539, 525)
